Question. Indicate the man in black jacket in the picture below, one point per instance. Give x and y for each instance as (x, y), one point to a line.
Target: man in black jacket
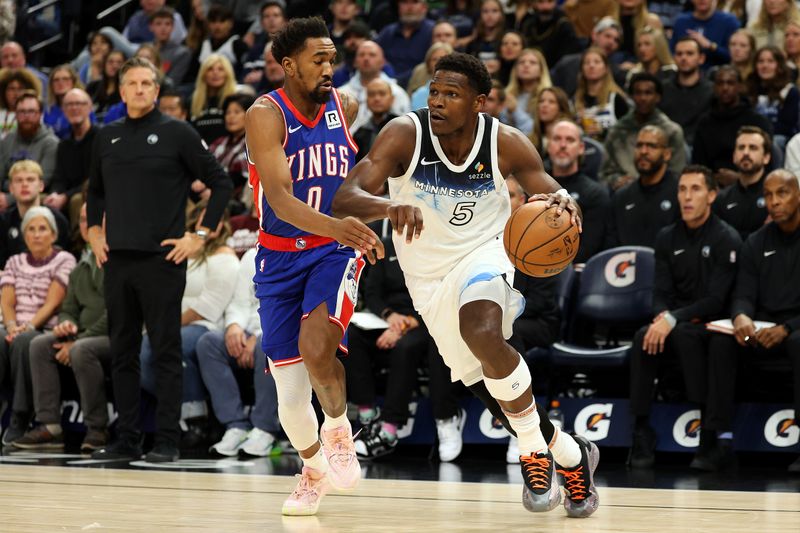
(766, 290)
(687, 94)
(695, 269)
(550, 30)
(141, 170)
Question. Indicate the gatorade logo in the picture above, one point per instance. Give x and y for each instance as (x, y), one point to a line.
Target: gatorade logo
(490, 426)
(781, 429)
(620, 270)
(686, 430)
(594, 421)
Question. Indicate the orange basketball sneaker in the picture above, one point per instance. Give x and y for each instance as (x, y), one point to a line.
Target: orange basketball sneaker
(305, 499)
(337, 444)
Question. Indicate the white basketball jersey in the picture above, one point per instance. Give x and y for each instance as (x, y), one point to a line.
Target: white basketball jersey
(463, 206)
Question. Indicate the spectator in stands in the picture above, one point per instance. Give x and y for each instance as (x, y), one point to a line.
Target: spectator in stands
(764, 291)
(774, 95)
(695, 271)
(495, 102)
(407, 40)
(444, 32)
(585, 14)
(552, 105)
(511, 46)
(687, 93)
(715, 136)
(26, 186)
(32, 140)
(62, 79)
(244, 230)
(369, 64)
(343, 13)
(565, 149)
(742, 47)
(791, 47)
(100, 46)
(105, 91)
(633, 16)
(489, 30)
(550, 31)
(711, 28)
(230, 152)
(221, 40)
(72, 157)
(14, 82)
(379, 103)
(238, 348)
(138, 31)
(599, 101)
(406, 344)
(173, 104)
(619, 167)
(150, 52)
(210, 282)
(8, 19)
(79, 341)
(652, 52)
(423, 72)
(357, 33)
(272, 19)
(12, 55)
(520, 12)
(175, 57)
(461, 15)
(647, 204)
(198, 29)
(32, 288)
(606, 36)
(215, 82)
(272, 75)
(743, 10)
(769, 27)
(530, 75)
(741, 204)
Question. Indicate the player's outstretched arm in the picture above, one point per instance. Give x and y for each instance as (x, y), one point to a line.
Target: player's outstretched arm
(264, 128)
(390, 155)
(519, 157)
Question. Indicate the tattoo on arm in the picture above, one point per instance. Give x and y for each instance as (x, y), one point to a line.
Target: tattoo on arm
(349, 106)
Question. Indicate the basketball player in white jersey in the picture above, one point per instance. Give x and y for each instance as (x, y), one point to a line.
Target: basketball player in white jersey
(446, 165)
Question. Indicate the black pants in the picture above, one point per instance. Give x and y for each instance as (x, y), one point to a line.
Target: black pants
(403, 360)
(145, 288)
(689, 343)
(533, 332)
(725, 356)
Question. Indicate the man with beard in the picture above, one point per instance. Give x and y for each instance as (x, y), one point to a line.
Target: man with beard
(619, 169)
(565, 149)
(742, 204)
(644, 206)
(407, 40)
(766, 290)
(688, 93)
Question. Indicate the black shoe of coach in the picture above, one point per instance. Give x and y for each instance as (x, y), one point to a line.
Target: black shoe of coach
(120, 450)
(163, 453)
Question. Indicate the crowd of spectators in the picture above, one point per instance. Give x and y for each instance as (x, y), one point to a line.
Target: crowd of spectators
(618, 97)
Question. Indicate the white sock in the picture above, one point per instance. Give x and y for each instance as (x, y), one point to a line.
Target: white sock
(335, 422)
(526, 424)
(318, 461)
(566, 451)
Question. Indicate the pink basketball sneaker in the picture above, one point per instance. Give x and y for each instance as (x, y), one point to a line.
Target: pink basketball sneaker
(305, 499)
(337, 444)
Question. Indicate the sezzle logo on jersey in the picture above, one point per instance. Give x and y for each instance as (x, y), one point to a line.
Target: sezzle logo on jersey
(480, 174)
(310, 161)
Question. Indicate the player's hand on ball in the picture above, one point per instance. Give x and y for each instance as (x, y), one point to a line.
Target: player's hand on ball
(351, 232)
(406, 219)
(563, 203)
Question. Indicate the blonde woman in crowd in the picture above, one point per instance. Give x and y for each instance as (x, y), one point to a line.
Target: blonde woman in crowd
(599, 101)
(552, 105)
(742, 46)
(633, 16)
(530, 75)
(422, 73)
(215, 82)
(770, 26)
(652, 51)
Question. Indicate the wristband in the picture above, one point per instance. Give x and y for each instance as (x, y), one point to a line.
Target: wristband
(671, 320)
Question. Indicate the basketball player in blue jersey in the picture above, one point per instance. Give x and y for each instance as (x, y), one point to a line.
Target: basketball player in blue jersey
(447, 164)
(308, 263)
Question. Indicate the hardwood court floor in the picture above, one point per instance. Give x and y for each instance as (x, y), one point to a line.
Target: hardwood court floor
(36, 498)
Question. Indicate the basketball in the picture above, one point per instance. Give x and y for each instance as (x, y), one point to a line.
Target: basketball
(539, 242)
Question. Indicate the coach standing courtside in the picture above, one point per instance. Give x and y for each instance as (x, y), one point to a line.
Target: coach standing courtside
(141, 170)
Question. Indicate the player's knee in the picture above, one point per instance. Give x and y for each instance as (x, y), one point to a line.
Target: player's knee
(479, 334)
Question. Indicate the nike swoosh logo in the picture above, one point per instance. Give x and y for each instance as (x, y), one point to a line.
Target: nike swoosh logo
(423, 162)
(731, 206)
(678, 252)
(771, 252)
(292, 130)
(628, 207)
(115, 139)
(393, 258)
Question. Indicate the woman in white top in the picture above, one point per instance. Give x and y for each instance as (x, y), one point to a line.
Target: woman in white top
(210, 283)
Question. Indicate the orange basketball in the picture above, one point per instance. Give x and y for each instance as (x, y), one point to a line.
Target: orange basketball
(539, 242)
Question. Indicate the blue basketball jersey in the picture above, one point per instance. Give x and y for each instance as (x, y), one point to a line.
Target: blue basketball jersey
(320, 153)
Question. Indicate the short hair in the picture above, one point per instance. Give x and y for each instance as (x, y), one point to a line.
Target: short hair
(27, 94)
(729, 69)
(173, 93)
(708, 175)
(45, 213)
(277, 3)
(471, 67)
(572, 123)
(165, 12)
(26, 165)
(642, 77)
(218, 13)
(656, 130)
(687, 38)
(755, 130)
(138, 62)
(244, 101)
(292, 39)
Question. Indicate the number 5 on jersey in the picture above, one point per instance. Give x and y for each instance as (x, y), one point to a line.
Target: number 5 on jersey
(462, 213)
